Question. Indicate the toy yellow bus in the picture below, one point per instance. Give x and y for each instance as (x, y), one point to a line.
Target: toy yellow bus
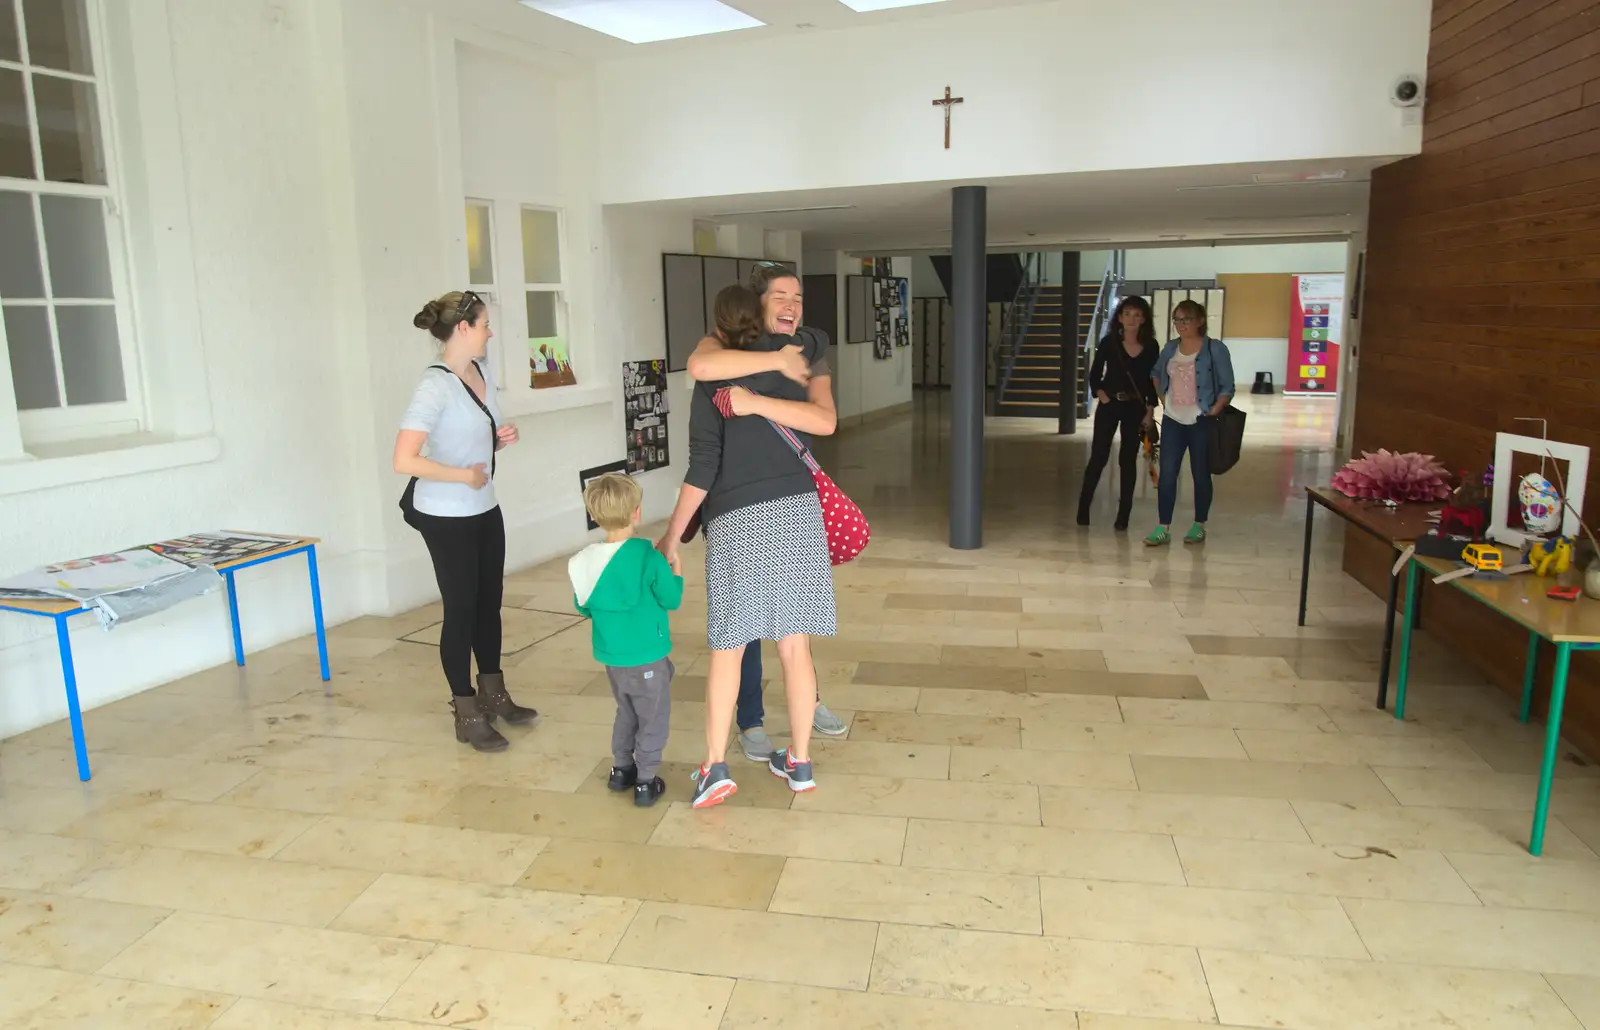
(1481, 556)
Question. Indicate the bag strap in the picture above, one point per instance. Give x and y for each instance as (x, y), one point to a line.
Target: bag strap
(494, 427)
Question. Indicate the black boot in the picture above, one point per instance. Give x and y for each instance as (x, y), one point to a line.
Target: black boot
(472, 726)
(494, 701)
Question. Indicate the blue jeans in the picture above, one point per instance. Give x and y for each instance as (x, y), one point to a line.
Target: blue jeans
(1177, 440)
(750, 711)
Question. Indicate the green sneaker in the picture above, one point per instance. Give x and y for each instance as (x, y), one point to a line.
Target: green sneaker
(1157, 537)
(1196, 534)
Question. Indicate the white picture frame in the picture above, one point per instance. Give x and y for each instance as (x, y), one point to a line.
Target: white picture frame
(1505, 445)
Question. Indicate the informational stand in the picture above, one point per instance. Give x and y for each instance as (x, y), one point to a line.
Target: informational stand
(1316, 318)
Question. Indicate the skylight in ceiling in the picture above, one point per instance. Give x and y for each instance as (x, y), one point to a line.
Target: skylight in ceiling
(648, 21)
(884, 5)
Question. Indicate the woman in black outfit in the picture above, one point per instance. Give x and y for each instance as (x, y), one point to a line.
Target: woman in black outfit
(1120, 379)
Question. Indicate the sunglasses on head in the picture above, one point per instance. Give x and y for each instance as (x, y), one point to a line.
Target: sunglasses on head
(468, 301)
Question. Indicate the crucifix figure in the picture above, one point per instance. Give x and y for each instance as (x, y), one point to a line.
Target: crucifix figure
(945, 103)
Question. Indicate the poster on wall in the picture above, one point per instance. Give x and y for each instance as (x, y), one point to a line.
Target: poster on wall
(902, 312)
(1316, 317)
(586, 476)
(644, 402)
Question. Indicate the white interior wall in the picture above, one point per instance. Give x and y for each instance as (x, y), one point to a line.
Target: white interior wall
(863, 385)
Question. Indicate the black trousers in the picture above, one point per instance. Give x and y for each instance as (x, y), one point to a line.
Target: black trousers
(469, 560)
(1108, 418)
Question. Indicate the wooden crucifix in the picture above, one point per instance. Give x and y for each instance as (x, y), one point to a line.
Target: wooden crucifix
(945, 103)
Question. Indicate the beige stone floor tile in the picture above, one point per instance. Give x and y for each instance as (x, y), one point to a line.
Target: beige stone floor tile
(1043, 851)
(949, 635)
(795, 833)
(1052, 768)
(750, 945)
(45, 809)
(966, 900)
(1459, 788)
(1231, 715)
(870, 758)
(113, 735)
(762, 1006)
(251, 1014)
(1479, 937)
(930, 799)
(1115, 684)
(853, 697)
(1519, 748)
(1041, 972)
(651, 873)
(44, 862)
(1482, 831)
(521, 628)
(378, 846)
(1357, 749)
(1070, 623)
(1202, 815)
(1519, 880)
(1102, 1021)
(1082, 660)
(1071, 640)
(63, 932)
(941, 677)
(465, 986)
(528, 767)
(953, 602)
(1285, 780)
(995, 703)
(185, 779)
(475, 915)
(51, 999)
(758, 788)
(1048, 733)
(1582, 996)
(351, 749)
(227, 885)
(1153, 609)
(320, 968)
(1254, 989)
(223, 829)
(1140, 913)
(1257, 646)
(538, 813)
(1347, 871)
(955, 730)
(1222, 687)
(833, 649)
(1240, 667)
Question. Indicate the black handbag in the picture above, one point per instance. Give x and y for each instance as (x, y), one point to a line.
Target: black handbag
(1226, 430)
(408, 505)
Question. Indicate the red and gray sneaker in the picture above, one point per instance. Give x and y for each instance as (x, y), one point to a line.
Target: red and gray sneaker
(712, 785)
(798, 774)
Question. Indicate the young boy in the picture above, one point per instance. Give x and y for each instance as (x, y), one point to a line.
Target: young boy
(626, 588)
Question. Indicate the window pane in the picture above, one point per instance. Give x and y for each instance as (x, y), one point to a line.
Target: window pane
(542, 315)
(541, 246)
(480, 249)
(75, 239)
(58, 35)
(69, 130)
(16, 144)
(10, 50)
(91, 359)
(33, 364)
(19, 248)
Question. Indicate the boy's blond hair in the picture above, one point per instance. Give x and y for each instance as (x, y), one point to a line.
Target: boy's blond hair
(612, 499)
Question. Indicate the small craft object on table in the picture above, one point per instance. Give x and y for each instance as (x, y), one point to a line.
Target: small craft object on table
(1577, 458)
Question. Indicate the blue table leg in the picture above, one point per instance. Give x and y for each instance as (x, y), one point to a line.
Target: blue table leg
(1528, 669)
(233, 613)
(1552, 747)
(316, 611)
(74, 714)
(1412, 590)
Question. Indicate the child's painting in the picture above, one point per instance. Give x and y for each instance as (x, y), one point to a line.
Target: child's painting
(548, 364)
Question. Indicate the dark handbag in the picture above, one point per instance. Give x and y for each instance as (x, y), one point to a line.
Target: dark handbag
(408, 497)
(1226, 429)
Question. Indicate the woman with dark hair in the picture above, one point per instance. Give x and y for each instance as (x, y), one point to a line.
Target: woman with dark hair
(451, 502)
(1120, 379)
(1194, 376)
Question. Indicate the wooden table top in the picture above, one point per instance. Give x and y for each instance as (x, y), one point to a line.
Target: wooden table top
(1397, 525)
(1521, 598)
(290, 543)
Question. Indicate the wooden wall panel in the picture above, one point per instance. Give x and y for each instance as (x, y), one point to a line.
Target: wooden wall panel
(1483, 282)
(1258, 303)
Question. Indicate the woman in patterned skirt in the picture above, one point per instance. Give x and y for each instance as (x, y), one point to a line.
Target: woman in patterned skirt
(768, 576)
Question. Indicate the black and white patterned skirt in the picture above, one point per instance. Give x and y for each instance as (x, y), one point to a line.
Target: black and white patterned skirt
(767, 573)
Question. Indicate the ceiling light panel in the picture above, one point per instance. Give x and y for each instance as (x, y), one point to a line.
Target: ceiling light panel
(863, 6)
(648, 21)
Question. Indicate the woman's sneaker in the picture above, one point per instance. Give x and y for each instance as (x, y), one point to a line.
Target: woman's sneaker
(712, 786)
(798, 774)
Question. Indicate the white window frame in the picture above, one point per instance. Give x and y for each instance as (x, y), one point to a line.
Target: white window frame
(563, 323)
(84, 421)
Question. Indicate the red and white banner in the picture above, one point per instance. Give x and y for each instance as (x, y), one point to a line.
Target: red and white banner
(1316, 321)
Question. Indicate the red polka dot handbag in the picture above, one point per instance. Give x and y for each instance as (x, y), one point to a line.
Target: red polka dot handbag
(848, 532)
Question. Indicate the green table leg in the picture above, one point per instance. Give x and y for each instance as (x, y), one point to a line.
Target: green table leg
(1528, 670)
(1552, 746)
(1405, 640)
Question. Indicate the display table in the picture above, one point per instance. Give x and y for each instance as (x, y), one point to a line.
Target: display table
(1397, 527)
(1569, 625)
(61, 611)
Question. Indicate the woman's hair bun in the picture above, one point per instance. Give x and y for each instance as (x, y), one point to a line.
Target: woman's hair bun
(428, 317)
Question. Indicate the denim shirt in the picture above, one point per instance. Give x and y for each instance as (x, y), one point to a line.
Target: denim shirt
(1213, 372)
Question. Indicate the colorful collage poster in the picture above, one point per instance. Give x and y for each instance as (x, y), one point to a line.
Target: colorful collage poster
(1316, 319)
(644, 395)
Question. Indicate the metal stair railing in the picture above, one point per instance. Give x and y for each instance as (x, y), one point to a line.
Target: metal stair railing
(1105, 302)
(1018, 317)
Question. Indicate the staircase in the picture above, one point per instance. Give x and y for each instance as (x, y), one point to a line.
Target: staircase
(1033, 389)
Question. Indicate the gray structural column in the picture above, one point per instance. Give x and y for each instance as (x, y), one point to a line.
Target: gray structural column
(969, 311)
(1071, 315)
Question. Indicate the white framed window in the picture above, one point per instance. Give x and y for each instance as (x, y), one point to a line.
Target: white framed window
(67, 329)
(544, 298)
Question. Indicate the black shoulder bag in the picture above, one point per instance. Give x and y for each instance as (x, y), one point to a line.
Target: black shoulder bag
(408, 507)
(1226, 430)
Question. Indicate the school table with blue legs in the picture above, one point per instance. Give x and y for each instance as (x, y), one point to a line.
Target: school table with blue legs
(61, 611)
(1568, 625)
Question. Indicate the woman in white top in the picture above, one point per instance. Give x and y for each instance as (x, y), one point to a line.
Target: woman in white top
(450, 501)
(1194, 377)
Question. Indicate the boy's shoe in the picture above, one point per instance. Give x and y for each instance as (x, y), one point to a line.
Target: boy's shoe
(645, 794)
(623, 778)
(1196, 534)
(756, 744)
(825, 722)
(798, 774)
(712, 786)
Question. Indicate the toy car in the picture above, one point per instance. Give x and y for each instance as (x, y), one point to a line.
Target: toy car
(1482, 557)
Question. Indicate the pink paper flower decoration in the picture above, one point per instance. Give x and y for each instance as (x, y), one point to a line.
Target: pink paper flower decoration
(1388, 476)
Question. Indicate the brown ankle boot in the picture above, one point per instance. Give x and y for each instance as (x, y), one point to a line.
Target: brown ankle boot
(494, 701)
(473, 726)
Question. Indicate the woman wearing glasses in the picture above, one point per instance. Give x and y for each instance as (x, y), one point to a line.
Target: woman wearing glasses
(1194, 376)
(450, 500)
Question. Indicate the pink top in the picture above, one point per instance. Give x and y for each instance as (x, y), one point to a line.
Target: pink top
(1183, 397)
